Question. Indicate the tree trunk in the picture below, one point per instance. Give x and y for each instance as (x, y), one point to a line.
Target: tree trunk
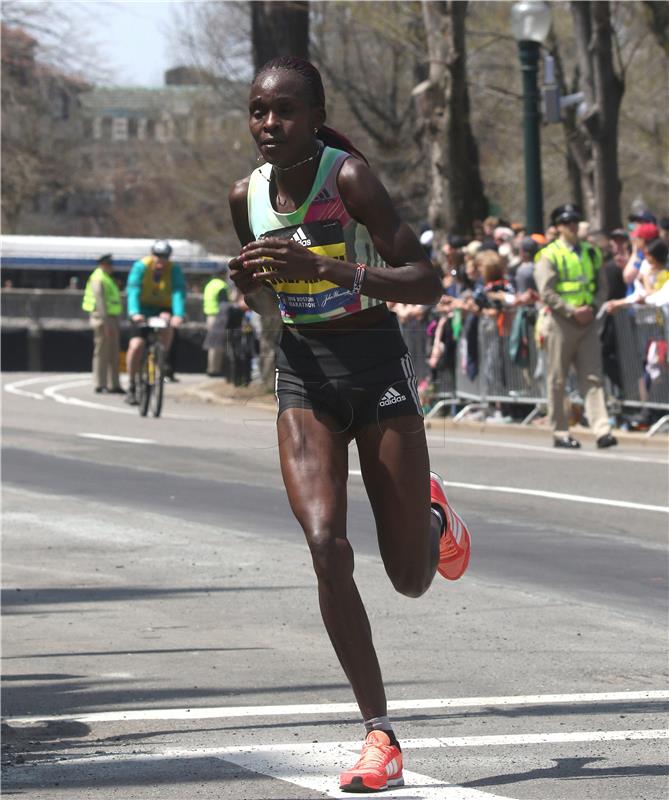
(432, 121)
(467, 200)
(597, 153)
(455, 195)
(279, 29)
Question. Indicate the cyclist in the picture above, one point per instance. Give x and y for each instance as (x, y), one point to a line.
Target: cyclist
(156, 288)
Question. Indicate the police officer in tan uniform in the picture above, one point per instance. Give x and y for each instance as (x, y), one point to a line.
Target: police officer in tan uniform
(566, 275)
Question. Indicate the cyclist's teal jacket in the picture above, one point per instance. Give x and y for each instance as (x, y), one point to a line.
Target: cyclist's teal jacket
(150, 292)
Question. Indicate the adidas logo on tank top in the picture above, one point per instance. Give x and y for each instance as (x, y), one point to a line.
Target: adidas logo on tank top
(301, 238)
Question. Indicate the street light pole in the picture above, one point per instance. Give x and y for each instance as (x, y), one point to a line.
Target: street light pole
(534, 203)
(530, 24)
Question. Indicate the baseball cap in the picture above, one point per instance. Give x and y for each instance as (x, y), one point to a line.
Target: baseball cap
(619, 233)
(105, 258)
(503, 232)
(456, 241)
(569, 212)
(529, 245)
(427, 237)
(643, 216)
(646, 231)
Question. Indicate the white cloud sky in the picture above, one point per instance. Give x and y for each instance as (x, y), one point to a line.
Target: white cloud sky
(131, 37)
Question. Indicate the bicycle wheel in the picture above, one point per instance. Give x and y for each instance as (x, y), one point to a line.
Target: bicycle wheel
(158, 381)
(145, 382)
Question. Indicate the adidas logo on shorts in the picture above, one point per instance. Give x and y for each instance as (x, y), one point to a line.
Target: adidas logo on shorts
(301, 238)
(391, 397)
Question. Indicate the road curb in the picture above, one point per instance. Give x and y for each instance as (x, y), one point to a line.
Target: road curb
(543, 433)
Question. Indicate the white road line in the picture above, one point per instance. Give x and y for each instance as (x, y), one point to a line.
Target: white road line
(53, 392)
(227, 712)
(574, 498)
(315, 766)
(318, 768)
(492, 443)
(108, 438)
(13, 388)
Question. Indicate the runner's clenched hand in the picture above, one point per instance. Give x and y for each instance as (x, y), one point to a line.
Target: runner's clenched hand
(273, 258)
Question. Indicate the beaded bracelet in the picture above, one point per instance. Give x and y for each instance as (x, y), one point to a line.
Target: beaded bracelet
(360, 270)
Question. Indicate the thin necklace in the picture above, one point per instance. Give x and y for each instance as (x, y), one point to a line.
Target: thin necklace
(299, 163)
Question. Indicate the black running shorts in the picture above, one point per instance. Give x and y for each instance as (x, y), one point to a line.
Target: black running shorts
(360, 377)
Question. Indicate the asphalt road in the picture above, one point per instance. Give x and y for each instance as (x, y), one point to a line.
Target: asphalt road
(161, 633)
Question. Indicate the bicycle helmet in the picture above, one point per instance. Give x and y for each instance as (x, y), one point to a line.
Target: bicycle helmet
(162, 249)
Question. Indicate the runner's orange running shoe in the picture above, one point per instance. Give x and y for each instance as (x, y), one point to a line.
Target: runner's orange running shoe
(455, 543)
(379, 766)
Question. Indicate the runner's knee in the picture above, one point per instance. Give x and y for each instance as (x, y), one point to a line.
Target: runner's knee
(410, 581)
(332, 556)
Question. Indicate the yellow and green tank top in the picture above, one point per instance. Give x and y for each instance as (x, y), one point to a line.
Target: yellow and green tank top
(322, 224)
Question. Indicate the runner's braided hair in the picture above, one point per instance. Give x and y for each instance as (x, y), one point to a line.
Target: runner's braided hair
(314, 85)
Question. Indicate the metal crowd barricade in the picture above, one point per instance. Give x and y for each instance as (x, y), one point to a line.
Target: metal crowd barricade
(642, 333)
(489, 375)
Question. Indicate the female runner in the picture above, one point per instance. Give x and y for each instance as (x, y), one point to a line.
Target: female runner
(320, 233)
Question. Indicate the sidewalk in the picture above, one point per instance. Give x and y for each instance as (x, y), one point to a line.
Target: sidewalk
(216, 390)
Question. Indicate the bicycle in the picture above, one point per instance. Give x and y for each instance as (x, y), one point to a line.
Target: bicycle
(152, 369)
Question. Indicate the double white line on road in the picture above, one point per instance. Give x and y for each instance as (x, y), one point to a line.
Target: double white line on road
(318, 709)
(315, 765)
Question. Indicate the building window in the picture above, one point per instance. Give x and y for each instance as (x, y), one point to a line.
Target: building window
(63, 105)
(150, 129)
(120, 129)
(106, 128)
(132, 128)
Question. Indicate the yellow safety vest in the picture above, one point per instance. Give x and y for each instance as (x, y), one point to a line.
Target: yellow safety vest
(111, 291)
(210, 295)
(577, 274)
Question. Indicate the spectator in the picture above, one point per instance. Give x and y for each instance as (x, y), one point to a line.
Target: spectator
(472, 277)
(426, 239)
(653, 276)
(489, 225)
(502, 235)
(614, 262)
(524, 278)
(551, 234)
(642, 216)
(215, 299)
(640, 236)
(102, 300)
(472, 249)
(664, 229)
